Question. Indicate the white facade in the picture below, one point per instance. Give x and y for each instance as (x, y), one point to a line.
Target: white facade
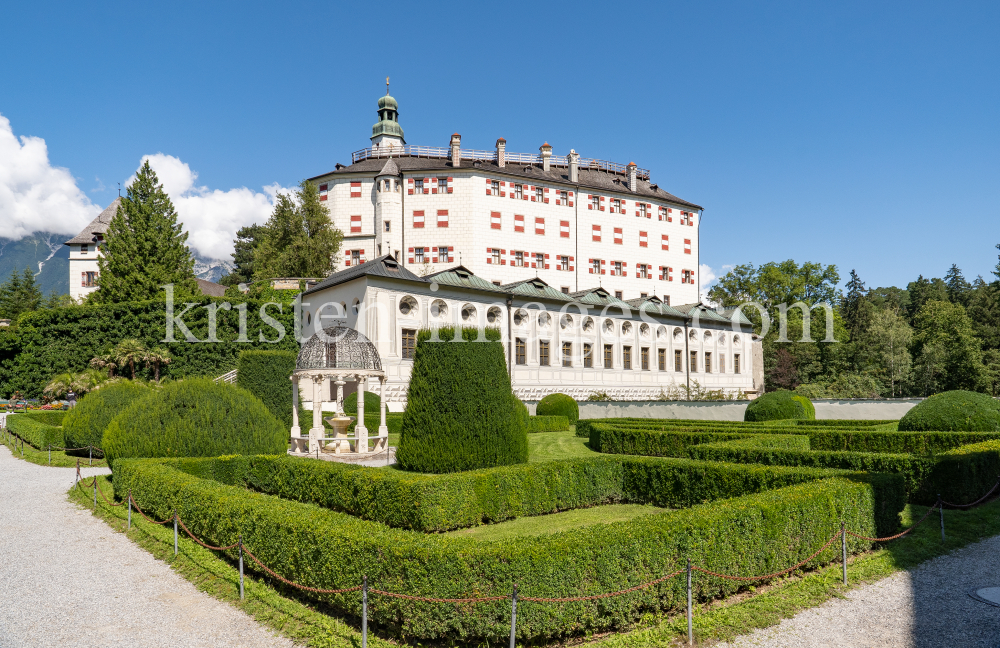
(509, 216)
(85, 249)
(534, 329)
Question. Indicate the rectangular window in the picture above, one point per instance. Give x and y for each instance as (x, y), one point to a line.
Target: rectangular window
(564, 263)
(708, 362)
(539, 261)
(89, 279)
(442, 185)
(567, 354)
(538, 194)
(693, 362)
(563, 198)
(518, 192)
(688, 277)
(443, 254)
(496, 256)
(643, 271)
(618, 294)
(609, 356)
(418, 218)
(84, 249)
(519, 259)
(666, 273)
(418, 184)
(418, 255)
(409, 344)
(355, 257)
(678, 360)
(388, 225)
(588, 356)
(565, 290)
(495, 186)
(595, 202)
(642, 210)
(520, 351)
(618, 272)
(661, 359)
(596, 269)
(645, 358)
(736, 363)
(543, 353)
(616, 206)
(626, 357)
(442, 218)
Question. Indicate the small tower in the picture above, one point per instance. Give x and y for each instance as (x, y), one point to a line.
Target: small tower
(387, 133)
(388, 208)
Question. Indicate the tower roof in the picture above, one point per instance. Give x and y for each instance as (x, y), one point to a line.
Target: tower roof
(390, 169)
(388, 102)
(388, 114)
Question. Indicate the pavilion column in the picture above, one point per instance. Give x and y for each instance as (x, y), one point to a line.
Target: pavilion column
(339, 410)
(316, 432)
(360, 431)
(383, 430)
(296, 430)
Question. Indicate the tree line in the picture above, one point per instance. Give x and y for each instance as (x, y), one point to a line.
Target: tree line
(933, 335)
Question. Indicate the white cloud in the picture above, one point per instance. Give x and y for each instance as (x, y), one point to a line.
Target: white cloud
(708, 278)
(34, 195)
(212, 217)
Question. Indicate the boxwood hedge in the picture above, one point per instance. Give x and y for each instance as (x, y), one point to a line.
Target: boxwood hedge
(54, 417)
(84, 425)
(266, 375)
(35, 432)
(958, 411)
(752, 534)
(372, 404)
(558, 405)
(778, 405)
(547, 423)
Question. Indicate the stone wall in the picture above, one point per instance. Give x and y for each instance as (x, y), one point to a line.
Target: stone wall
(733, 410)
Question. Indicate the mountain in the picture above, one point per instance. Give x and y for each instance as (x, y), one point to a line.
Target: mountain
(44, 253)
(48, 257)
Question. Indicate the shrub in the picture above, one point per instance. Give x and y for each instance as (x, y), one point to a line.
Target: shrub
(372, 404)
(547, 423)
(194, 418)
(779, 405)
(48, 418)
(266, 375)
(84, 425)
(393, 421)
(35, 432)
(559, 405)
(760, 532)
(885, 441)
(461, 413)
(956, 411)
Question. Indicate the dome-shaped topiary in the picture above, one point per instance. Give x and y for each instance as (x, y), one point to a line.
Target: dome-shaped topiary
(953, 411)
(373, 403)
(461, 413)
(195, 418)
(779, 405)
(84, 424)
(559, 405)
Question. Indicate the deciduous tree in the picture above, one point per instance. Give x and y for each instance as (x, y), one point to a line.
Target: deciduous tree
(299, 240)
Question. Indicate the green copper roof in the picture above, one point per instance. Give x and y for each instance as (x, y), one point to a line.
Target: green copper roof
(388, 102)
(463, 278)
(537, 289)
(388, 124)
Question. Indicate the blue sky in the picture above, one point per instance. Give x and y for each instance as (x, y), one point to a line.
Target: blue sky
(860, 134)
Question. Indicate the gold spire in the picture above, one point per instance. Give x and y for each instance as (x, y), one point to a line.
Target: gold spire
(387, 85)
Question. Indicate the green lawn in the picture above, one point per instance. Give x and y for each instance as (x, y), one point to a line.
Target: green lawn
(548, 446)
(557, 522)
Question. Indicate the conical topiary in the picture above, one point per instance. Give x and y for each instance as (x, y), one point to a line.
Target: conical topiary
(461, 413)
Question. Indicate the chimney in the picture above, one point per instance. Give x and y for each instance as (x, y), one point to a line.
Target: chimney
(633, 182)
(501, 152)
(574, 165)
(456, 150)
(546, 155)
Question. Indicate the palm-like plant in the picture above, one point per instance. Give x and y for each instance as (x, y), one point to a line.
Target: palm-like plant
(156, 358)
(59, 386)
(79, 383)
(105, 362)
(129, 352)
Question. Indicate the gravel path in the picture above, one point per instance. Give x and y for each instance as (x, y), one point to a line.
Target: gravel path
(66, 579)
(927, 608)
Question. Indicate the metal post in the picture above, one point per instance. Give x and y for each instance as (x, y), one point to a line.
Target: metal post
(76, 478)
(130, 509)
(175, 532)
(941, 511)
(50, 454)
(843, 548)
(364, 612)
(95, 493)
(690, 628)
(241, 566)
(513, 615)
(90, 449)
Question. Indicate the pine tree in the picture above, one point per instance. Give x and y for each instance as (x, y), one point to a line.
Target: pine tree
(958, 287)
(299, 239)
(246, 241)
(851, 306)
(19, 294)
(144, 247)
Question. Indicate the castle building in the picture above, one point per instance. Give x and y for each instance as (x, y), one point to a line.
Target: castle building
(588, 268)
(84, 250)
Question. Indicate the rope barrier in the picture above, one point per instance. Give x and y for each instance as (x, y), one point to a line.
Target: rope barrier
(978, 501)
(783, 571)
(207, 546)
(901, 533)
(304, 587)
(136, 505)
(568, 599)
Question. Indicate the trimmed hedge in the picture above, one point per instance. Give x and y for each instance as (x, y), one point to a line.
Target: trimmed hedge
(34, 432)
(267, 375)
(847, 422)
(956, 411)
(922, 443)
(558, 405)
(779, 405)
(964, 474)
(752, 534)
(651, 443)
(372, 404)
(197, 417)
(84, 425)
(48, 418)
(547, 423)
(393, 421)
(461, 413)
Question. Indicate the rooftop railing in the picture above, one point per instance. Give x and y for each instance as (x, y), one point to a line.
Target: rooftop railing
(490, 156)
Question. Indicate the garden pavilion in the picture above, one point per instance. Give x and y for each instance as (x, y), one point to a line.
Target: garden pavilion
(338, 354)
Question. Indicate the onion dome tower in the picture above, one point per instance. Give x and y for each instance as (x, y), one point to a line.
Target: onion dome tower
(387, 133)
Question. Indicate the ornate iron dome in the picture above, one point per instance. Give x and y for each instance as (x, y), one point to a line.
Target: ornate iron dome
(338, 347)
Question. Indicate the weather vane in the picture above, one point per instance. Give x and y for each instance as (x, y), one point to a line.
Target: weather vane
(387, 85)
